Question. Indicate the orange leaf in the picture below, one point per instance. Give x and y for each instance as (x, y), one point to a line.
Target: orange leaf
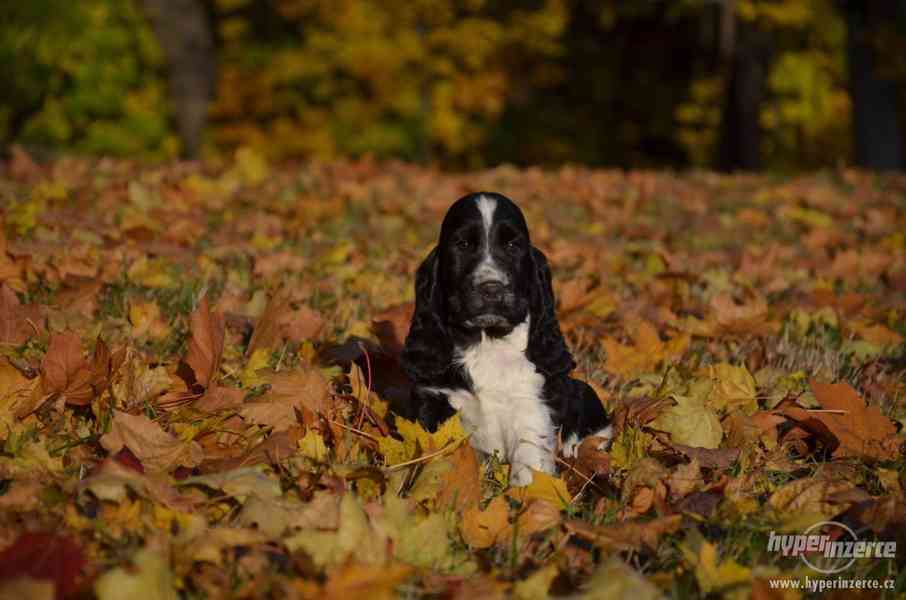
(861, 429)
(483, 528)
(206, 343)
(64, 370)
(461, 487)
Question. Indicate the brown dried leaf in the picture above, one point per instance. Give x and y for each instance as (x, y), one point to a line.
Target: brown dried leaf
(684, 480)
(809, 498)
(281, 321)
(206, 343)
(628, 535)
(64, 370)
(17, 322)
(747, 319)
(391, 327)
(157, 450)
(302, 387)
(861, 429)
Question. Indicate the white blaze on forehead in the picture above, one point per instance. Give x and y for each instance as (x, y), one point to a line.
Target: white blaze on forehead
(487, 206)
(488, 270)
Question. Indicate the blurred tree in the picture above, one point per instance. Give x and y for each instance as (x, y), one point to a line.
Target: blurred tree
(463, 83)
(876, 129)
(746, 50)
(609, 96)
(83, 76)
(414, 79)
(783, 104)
(182, 29)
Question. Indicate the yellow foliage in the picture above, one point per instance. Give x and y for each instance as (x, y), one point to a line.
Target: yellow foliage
(416, 439)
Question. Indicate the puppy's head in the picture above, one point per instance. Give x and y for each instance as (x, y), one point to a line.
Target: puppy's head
(483, 276)
(485, 264)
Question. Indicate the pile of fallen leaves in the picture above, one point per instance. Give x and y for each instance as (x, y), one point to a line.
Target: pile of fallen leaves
(200, 362)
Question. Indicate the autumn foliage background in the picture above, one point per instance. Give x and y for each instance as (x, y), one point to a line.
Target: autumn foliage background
(200, 356)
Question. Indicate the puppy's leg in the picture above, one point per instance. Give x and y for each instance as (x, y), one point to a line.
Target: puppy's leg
(432, 407)
(534, 448)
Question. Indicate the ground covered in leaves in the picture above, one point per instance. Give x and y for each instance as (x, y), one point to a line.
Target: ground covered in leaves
(198, 361)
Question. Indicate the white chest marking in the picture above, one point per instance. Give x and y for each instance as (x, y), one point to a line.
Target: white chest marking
(506, 413)
(487, 269)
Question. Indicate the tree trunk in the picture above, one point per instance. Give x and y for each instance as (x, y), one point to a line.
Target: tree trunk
(876, 130)
(181, 27)
(746, 67)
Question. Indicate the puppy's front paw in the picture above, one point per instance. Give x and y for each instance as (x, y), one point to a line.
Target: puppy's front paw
(520, 475)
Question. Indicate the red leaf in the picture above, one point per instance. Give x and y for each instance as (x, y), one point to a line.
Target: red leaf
(45, 556)
(17, 322)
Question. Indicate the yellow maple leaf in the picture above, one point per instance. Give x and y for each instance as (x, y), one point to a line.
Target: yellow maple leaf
(450, 433)
(313, 446)
(712, 573)
(691, 422)
(544, 487)
(629, 447)
(733, 388)
(252, 374)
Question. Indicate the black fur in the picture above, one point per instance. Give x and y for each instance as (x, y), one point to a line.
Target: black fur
(447, 301)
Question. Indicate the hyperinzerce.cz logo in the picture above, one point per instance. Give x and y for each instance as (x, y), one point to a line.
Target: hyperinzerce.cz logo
(829, 547)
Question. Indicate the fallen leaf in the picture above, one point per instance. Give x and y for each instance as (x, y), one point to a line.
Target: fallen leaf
(690, 422)
(544, 487)
(240, 483)
(733, 388)
(861, 429)
(45, 557)
(483, 528)
(615, 580)
(355, 539)
(461, 485)
(634, 534)
(807, 500)
(649, 351)
(147, 576)
(205, 343)
(747, 319)
(415, 437)
(359, 581)
(537, 585)
(157, 450)
(712, 573)
(684, 479)
(146, 319)
(64, 370)
(280, 320)
(17, 322)
(302, 387)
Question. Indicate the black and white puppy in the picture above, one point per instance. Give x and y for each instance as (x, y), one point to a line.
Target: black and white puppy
(485, 341)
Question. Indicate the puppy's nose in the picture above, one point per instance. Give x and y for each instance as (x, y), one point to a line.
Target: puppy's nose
(491, 290)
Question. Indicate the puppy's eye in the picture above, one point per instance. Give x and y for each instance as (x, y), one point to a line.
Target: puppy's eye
(463, 244)
(512, 245)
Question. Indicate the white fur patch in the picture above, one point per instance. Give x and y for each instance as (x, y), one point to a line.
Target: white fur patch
(486, 206)
(572, 443)
(487, 269)
(506, 413)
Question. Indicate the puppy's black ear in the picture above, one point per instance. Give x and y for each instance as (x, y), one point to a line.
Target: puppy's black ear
(428, 351)
(546, 346)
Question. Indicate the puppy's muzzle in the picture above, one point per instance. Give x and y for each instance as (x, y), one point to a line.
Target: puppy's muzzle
(491, 291)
